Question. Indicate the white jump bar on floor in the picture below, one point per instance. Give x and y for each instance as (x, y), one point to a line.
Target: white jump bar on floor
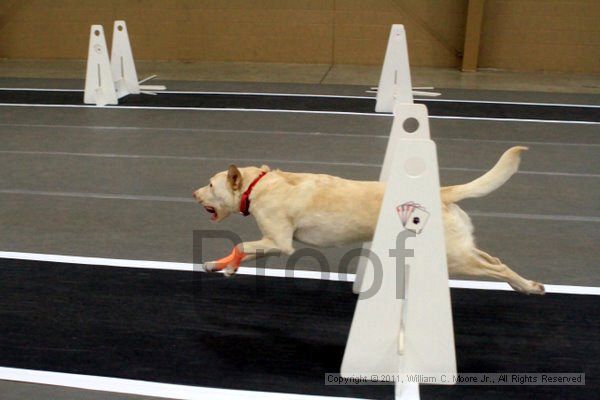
(270, 272)
(144, 388)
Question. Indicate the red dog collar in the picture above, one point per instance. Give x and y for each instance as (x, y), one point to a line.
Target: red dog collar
(245, 202)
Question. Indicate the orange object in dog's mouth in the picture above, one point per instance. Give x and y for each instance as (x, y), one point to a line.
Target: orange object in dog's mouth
(213, 211)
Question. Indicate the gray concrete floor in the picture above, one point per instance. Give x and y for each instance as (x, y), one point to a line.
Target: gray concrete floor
(29, 391)
(117, 183)
(57, 174)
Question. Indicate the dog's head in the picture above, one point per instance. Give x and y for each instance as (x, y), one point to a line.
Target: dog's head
(222, 195)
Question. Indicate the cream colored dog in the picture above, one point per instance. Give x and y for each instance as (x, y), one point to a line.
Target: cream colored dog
(324, 210)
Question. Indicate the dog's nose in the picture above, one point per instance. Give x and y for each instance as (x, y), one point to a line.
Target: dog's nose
(195, 194)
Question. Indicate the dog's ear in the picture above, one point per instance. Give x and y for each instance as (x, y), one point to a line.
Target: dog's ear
(234, 177)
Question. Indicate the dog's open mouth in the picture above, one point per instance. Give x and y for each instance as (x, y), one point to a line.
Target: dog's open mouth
(213, 211)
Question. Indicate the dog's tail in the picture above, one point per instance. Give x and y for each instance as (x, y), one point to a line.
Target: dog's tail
(506, 166)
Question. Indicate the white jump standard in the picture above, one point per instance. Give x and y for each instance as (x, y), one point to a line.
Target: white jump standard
(99, 84)
(395, 84)
(107, 80)
(405, 327)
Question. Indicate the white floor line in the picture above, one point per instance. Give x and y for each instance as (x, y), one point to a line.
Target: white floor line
(425, 99)
(525, 172)
(334, 96)
(192, 109)
(145, 388)
(288, 112)
(519, 103)
(516, 141)
(188, 158)
(41, 90)
(281, 132)
(485, 285)
(271, 161)
(269, 272)
(539, 217)
(200, 130)
(544, 121)
(91, 195)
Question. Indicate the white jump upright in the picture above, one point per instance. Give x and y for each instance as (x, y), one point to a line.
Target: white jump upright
(120, 70)
(395, 84)
(99, 85)
(405, 325)
(395, 87)
(121, 62)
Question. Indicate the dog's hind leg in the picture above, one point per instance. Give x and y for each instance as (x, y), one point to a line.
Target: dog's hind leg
(490, 259)
(481, 264)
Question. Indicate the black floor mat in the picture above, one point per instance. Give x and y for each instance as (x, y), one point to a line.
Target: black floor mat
(267, 334)
(310, 103)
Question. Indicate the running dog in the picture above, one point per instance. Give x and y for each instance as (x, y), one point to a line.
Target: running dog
(324, 210)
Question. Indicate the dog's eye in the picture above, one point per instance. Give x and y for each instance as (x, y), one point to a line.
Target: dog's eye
(210, 185)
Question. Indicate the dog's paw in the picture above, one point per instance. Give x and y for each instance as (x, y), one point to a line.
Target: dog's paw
(230, 271)
(532, 287)
(210, 266)
(215, 266)
(537, 288)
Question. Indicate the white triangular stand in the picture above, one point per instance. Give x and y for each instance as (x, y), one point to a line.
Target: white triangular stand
(395, 86)
(405, 327)
(120, 70)
(123, 66)
(121, 62)
(99, 85)
(395, 82)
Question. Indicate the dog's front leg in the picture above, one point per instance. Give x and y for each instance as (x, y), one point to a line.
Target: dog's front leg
(279, 240)
(230, 262)
(245, 251)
